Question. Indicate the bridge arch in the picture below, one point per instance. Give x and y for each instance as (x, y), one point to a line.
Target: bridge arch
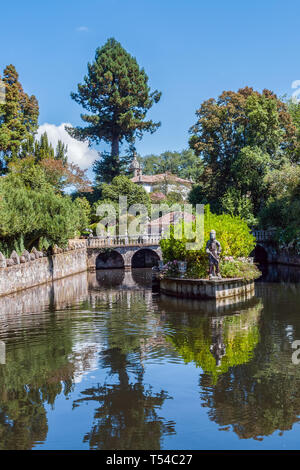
(121, 256)
(145, 258)
(110, 259)
(260, 254)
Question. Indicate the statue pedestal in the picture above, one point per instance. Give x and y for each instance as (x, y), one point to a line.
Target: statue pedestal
(207, 289)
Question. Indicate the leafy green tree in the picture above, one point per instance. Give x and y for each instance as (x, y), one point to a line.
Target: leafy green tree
(85, 211)
(232, 232)
(58, 174)
(294, 111)
(106, 168)
(184, 164)
(236, 204)
(123, 186)
(31, 210)
(116, 94)
(18, 117)
(173, 197)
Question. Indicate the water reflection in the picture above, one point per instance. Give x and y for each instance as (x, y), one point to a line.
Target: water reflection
(105, 343)
(120, 279)
(279, 273)
(217, 343)
(126, 416)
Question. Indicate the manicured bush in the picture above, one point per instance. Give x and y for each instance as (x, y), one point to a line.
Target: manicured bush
(236, 268)
(232, 232)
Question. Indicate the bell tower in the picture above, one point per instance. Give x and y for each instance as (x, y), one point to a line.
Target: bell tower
(135, 166)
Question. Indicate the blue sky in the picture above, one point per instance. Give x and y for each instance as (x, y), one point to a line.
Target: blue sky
(191, 50)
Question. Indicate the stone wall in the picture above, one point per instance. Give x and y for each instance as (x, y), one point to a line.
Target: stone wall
(284, 258)
(32, 269)
(267, 252)
(55, 295)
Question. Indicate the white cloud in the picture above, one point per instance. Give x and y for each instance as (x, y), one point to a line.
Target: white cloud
(82, 29)
(78, 152)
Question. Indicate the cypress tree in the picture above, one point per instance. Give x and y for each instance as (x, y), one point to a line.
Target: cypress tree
(18, 117)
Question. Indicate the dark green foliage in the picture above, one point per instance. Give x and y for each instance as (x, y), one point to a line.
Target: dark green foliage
(106, 168)
(122, 186)
(240, 137)
(18, 117)
(184, 164)
(116, 94)
(42, 149)
(232, 232)
(32, 212)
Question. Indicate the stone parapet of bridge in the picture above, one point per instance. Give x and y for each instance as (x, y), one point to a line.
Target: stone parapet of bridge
(263, 235)
(117, 252)
(114, 241)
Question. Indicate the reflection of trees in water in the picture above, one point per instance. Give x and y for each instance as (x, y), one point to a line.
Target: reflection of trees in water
(127, 414)
(259, 397)
(279, 273)
(254, 406)
(216, 343)
(39, 366)
(127, 417)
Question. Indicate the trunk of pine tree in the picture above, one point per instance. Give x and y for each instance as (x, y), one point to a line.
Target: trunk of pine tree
(115, 146)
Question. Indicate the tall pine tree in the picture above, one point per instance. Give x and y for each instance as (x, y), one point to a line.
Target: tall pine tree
(116, 94)
(18, 117)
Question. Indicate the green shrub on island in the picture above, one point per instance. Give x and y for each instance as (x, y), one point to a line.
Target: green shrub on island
(237, 268)
(236, 241)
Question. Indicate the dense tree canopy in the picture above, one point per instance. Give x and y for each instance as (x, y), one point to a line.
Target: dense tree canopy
(123, 186)
(32, 213)
(116, 94)
(185, 164)
(240, 137)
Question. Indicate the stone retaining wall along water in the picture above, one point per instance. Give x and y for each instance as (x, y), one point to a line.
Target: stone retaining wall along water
(207, 289)
(35, 268)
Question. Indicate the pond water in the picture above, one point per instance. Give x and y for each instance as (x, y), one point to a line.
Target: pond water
(99, 361)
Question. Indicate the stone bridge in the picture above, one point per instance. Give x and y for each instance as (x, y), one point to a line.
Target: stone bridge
(265, 250)
(123, 252)
(144, 251)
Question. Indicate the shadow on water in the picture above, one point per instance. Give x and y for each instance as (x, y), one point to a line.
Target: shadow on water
(279, 273)
(126, 414)
(120, 279)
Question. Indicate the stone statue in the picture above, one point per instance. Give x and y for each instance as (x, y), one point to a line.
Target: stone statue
(213, 249)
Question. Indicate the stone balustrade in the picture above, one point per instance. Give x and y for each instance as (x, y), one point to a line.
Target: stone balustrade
(263, 235)
(26, 257)
(118, 241)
